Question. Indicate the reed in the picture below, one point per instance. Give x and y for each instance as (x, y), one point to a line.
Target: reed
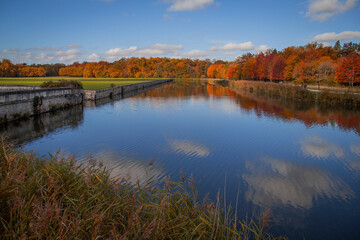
(297, 95)
(56, 198)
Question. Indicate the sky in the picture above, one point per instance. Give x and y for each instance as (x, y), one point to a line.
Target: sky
(65, 31)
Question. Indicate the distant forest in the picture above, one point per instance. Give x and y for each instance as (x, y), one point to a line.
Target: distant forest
(305, 64)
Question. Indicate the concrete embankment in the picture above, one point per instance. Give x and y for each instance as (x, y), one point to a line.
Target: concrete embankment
(122, 90)
(26, 103)
(7, 88)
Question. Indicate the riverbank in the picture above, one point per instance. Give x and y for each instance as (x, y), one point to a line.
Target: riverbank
(296, 94)
(54, 197)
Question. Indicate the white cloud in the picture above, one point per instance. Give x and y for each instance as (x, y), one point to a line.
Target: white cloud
(120, 52)
(166, 47)
(150, 52)
(43, 57)
(235, 46)
(195, 54)
(322, 10)
(34, 57)
(68, 56)
(189, 5)
(68, 52)
(51, 49)
(93, 57)
(10, 51)
(44, 54)
(261, 48)
(153, 50)
(346, 35)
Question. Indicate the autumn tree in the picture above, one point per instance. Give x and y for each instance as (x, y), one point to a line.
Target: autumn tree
(277, 68)
(290, 63)
(249, 69)
(302, 72)
(7, 69)
(348, 70)
(325, 69)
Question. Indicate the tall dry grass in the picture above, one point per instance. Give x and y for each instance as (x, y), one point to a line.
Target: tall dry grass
(298, 95)
(56, 198)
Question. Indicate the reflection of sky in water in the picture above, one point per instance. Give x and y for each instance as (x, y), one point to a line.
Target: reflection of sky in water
(189, 148)
(355, 149)
(271, 161)
(319, 148)
(123, 166)
(274, 182)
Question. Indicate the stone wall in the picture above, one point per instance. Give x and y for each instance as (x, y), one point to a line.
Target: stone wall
(7, 88)
(26, 103)
(122, 90)
(127, 94)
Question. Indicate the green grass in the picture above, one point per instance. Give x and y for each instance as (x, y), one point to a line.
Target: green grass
(56, 198)
(88, 83)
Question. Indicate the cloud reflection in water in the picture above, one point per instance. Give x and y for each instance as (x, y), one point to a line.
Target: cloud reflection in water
(273, 182)
(319, 148)
(189, 148)
(355, 149)
(127, 167)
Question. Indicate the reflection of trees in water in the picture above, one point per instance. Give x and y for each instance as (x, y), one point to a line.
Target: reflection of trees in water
(309, 114)
(36, 127)
(179, 89)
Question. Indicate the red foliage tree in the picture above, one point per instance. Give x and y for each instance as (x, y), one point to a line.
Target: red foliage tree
(348, 70)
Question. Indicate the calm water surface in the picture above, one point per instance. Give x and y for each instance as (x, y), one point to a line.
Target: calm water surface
(301, 162)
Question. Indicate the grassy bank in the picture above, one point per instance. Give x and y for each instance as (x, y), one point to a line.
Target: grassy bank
(298, 95)
(88, 83)
(53, 197)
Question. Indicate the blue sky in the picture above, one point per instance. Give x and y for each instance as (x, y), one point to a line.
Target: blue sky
(49, 31)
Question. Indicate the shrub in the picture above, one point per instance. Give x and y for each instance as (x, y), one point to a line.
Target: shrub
(62, 83)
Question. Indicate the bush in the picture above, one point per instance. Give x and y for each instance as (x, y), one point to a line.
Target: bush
(62, 83)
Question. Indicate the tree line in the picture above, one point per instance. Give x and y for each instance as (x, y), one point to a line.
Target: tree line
(304, 64)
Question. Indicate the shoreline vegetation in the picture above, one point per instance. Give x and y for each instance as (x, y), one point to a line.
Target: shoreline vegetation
(297, 95)
(56, 198)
